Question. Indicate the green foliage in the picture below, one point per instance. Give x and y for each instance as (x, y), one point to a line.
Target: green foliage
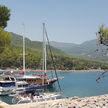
(35, 45)
(4, 39)
(11, 57)
(103, 35)
(71, 63)
(4, 16)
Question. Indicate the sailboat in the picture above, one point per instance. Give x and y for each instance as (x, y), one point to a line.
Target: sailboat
(38, 97)
(37, 79)
(30, 79)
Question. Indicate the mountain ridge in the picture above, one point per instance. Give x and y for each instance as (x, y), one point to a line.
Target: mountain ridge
(17, 40)
(75, 47)
(86, 49)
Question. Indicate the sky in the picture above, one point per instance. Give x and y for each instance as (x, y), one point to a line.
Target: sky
(69, 21)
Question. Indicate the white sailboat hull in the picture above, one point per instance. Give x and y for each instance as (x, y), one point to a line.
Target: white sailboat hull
(40, 98)
(7, 91)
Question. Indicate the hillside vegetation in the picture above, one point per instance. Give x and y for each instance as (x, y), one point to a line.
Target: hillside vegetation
(12, 57)
(87, 49)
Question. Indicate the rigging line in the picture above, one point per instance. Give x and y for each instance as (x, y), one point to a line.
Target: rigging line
(54, 66)
(49, 59)
(52, 59)
(52, 76)
(48, 56)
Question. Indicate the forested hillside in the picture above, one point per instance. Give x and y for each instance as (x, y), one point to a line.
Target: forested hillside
(17, 40)
(12, 57)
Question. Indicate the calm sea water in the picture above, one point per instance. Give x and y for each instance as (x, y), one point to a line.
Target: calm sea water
(79, 84)
(83, 84)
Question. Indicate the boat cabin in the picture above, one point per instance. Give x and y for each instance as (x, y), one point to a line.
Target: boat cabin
(7, 85)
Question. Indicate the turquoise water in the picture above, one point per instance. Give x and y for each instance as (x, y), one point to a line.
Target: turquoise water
(6, 99)
(83, 84)
(79, 84)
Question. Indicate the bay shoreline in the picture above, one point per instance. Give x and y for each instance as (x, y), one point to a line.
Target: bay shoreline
(100, 101)
(31, 70)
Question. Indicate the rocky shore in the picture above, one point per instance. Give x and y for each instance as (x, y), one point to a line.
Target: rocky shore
(74, 102)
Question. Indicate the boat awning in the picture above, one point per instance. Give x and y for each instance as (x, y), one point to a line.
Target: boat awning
(26, 77)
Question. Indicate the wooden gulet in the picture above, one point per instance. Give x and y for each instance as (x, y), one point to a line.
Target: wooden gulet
(36, 79)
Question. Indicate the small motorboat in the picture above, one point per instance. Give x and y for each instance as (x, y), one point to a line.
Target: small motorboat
(37, 97)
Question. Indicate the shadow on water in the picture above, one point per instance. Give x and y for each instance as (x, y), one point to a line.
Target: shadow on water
(6, 99)
(51, 89)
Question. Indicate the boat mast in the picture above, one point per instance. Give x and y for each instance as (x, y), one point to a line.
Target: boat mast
(44, 51)
(53, 62)
(24, 49)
